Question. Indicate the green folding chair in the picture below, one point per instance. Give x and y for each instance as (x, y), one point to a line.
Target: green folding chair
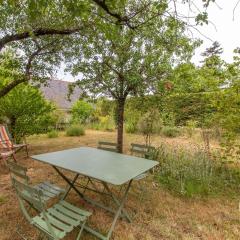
(54, 222)
(48, 189)
(140, 150)
(108, 146)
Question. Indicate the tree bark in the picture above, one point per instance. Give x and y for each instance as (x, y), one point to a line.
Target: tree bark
(37, 33)
(120, 121)
(6, 89)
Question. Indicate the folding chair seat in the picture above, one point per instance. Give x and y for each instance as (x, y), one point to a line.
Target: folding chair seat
(55, 222)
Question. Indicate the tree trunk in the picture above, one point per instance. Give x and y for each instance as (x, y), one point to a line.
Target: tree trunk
(120, 120)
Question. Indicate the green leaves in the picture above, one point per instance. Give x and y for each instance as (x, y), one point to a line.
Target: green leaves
(81, 111)
(26, 110)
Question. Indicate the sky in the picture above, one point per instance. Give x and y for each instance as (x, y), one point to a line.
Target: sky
(227, 30)
(222, 28)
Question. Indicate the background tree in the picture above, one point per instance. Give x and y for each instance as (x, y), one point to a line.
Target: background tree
(120, 62)
(26, 111)
(81, 111)
(26, 21)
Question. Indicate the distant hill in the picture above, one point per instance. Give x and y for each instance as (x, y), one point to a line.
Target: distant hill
(56, 91)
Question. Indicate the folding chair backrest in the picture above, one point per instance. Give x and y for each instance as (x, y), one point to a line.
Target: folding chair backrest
(140, 149)
(108, 146)
(5, 138)
(33, 197)
(17, 171)
(26, 193)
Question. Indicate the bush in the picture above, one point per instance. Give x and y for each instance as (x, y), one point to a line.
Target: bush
(75, 130)
(170, 131)
(52, 134)
(190, 127)
(149, 124)
(104, 123)
(195, 173)
(81, 111)
(130, 127)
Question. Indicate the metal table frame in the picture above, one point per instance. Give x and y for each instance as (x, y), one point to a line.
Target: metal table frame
(101, 170)
(119, 212)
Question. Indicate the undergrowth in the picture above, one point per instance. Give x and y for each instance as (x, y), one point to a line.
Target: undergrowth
(195, 173)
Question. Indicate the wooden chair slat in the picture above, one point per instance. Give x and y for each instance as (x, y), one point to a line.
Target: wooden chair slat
(63, 217)
(75, 209)
(41, 224)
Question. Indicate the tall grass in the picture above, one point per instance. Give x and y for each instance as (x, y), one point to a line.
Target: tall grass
(194, 173)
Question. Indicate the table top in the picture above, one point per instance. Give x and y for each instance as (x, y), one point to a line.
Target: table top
(110, 167)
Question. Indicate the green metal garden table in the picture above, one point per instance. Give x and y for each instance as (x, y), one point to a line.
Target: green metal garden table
(107, 168)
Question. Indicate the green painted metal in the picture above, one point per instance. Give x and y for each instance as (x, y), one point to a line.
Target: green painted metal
(110, 167)
(140, 149)
(48, 189)
(108, 146)
(55, 222)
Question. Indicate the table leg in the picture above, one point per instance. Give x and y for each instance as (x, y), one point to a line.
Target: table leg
(118, 212)
(116, 216)
(117, 202)
(121, 204)
(70, 187)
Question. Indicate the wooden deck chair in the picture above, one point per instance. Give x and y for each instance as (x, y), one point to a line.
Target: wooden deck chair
(7, 154)
(48, 189)
(55, 222)
(108, 146)
(7, 143)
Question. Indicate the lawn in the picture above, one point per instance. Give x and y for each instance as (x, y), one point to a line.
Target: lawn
(161, 214)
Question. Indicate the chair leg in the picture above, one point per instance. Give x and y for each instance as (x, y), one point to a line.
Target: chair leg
(27, 151)
(80, 232)
(14, 157)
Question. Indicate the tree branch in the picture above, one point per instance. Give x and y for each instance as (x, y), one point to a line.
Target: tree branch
(37, 32)
(27, 74)
(121, 19)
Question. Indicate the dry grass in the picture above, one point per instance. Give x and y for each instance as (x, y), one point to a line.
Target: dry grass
(161, 215)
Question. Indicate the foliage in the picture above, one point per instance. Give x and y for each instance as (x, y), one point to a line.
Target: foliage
(105, 123)
(75, 130)
(190, 127)
(131, 127)
(194, 173)
(26, 111)
(172, 132)
(81, 111)
(52, 134)
(149, 124)
(122, 62)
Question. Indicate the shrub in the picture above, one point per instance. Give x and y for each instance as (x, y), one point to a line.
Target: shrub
(195, 173)
(149, 124)
(130, 127)
(75, 130)
(81, 111)
(190, 127)
(105, 123)
(52, 134)
(170, 131)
